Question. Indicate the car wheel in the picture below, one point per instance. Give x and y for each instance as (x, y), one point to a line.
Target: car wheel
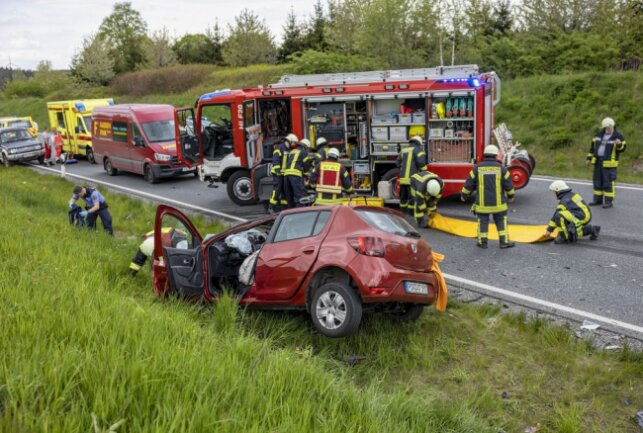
(149, 175)
(407, 313)
(336, 310)
(6, 161)
(89, 152)
(108, 167)
(239, 188)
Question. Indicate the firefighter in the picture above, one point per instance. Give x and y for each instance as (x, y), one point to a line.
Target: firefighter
(572, 216)
(294, 174)
(95, 206)
(604, 153)
(329, 179)
(321, 149)
(309, 161)
(409, 161)
(279, 157)
(494, 188)
(170, 237)
(426, 190)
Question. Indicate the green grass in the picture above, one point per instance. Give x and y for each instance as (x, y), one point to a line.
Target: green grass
(82, 342)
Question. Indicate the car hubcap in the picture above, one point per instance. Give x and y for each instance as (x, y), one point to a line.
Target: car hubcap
(242, 189)
(331, 310)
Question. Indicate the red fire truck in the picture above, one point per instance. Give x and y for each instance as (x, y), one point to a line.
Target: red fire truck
(367, 116)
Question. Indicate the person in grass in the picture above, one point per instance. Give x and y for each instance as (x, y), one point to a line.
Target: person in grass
(95, 206)
(170, 237)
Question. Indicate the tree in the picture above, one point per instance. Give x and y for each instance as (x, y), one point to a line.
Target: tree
(125, 30)
(215, 35)
(314, 31)
(346, 18)
(293, 38)
(94, 63)
(158, 50)
(249, 41)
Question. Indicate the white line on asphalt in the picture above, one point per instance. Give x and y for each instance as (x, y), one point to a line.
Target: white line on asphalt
(577, 182)
(147, 195)
(551, 305)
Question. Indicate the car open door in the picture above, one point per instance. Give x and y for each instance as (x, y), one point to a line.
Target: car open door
(188, 145)
(178, 255)
(262, 182)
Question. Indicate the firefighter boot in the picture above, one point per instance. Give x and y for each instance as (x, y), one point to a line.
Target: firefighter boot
(594, 232)
(507, 244)
(482, 244)
(598, 200)
(608, 204)
(560, 239)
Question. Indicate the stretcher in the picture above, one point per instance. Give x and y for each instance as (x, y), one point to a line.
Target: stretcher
(469, 229)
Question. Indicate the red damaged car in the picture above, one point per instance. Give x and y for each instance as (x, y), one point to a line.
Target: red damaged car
(333, 261)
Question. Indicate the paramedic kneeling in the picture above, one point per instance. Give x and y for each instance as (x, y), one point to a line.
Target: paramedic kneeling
(95, 206)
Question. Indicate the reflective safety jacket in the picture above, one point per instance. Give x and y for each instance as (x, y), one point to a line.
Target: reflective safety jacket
(612, 150)
(493, 185)
(410, 160)
(572, 208)
(329, 180)
(295, 163)
(423, 201)
(279, 158)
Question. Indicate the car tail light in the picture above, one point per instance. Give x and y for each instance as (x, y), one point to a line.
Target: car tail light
(367, 245)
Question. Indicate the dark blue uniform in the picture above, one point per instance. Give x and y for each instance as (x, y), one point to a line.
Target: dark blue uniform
(93, 196)
(279, 158)
(294, 176)
(604, 154)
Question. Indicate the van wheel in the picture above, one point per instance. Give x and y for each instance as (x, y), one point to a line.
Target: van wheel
(108, 167)
(148, 173)
(89, 152)
(407, 313)
(336, 310)
(239, 188)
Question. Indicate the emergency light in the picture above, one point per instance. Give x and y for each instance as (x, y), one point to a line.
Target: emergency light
(80, 106)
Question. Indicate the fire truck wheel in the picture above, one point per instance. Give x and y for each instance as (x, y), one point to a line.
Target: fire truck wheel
(394, 176)
(111, 171)
(89, 152)
(239, 188)
(519, 176)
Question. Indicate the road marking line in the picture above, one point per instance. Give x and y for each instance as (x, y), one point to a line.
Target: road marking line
(552, 305)
(146, 194)
(578, 182)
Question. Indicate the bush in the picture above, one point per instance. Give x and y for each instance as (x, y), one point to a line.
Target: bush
(174, 79)
(318, 62)
(39, 86)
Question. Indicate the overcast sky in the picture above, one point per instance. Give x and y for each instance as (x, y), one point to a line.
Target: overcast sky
(34, 30)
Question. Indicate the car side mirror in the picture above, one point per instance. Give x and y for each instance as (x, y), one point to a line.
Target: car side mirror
(138, 141)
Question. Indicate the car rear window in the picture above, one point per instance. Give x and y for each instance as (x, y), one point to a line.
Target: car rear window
(388, 222)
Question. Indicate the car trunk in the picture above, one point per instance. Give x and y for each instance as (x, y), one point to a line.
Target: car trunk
(408, 253)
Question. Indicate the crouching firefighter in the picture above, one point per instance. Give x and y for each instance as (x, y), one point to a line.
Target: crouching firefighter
(279, 158)
(572, 216)
(329, 180)
(426, 190)
(494, 188)
(170, 237)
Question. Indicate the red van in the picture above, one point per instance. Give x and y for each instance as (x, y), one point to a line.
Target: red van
(139, 138)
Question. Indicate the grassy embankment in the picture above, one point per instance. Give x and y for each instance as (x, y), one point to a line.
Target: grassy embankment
(555, 117)
(83, 343)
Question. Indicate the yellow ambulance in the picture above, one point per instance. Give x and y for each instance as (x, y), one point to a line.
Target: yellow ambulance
(24, 122)
(73, 119)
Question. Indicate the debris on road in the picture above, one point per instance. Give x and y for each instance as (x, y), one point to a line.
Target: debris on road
(589, 326)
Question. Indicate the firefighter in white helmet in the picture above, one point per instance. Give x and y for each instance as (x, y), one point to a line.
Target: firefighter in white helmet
(410, 160)
(493, 186)
(604, 152)
(572, 216)
(329, 179)
(279, 159)
(426, 190)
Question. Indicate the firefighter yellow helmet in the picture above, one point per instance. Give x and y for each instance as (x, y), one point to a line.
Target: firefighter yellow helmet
(491, 150)
(417, 139)
(417, 130)
(559, 186)
(292, 138)
(321, 141)
(433, 187)
(608, 122)
(305, 142)
(333, 153)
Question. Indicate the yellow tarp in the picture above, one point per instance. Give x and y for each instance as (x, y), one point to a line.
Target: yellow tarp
(441, 298)
(469, 229)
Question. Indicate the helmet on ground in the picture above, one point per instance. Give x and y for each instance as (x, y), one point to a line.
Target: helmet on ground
(559, 186)
(491, 150)
(608, 122)
(321, 141)
(417, 139)
(333, 153)
(292, 138)
(305, 142)
(433, 187)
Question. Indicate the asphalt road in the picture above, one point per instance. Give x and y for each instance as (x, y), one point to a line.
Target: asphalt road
(603, 277)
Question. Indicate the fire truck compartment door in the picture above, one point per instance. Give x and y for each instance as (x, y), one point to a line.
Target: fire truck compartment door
(262, 181)
(187, 141)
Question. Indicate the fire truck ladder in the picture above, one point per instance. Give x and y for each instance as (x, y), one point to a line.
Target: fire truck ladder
(418, 74)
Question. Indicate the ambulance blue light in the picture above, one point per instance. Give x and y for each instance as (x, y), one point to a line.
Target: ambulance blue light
(110, 101)
(80, 106)
(214, 94)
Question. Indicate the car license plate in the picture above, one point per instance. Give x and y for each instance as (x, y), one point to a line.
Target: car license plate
(187, 169)
(416, 288)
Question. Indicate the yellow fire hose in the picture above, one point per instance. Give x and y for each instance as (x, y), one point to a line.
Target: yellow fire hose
(441, 284)
(469, 229)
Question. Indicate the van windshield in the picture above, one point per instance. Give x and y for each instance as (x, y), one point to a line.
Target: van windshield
(159, 131)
